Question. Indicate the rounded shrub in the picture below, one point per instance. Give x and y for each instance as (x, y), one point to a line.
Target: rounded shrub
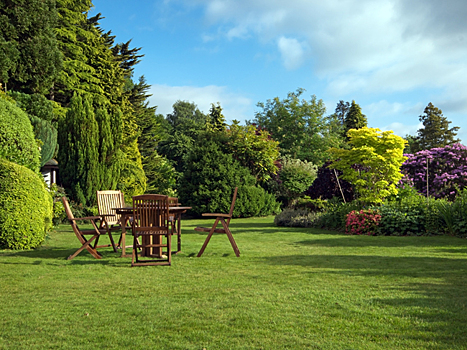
(25, 207)
(209, 179)
(17, 142)
(255, 201)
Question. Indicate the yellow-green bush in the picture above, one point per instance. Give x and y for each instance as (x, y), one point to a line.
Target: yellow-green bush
(25, 207)
(17, 142)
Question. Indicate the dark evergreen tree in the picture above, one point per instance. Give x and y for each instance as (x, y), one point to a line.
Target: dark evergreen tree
(342, 109)
(354, 118)
(216, 120)
(30, 59)
(109, 153)
(435, 132)
(78, 156)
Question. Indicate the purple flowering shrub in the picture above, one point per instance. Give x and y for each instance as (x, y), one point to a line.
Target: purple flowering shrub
(447, 170)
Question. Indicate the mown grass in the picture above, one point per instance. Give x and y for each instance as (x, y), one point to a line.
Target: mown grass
(290, 289)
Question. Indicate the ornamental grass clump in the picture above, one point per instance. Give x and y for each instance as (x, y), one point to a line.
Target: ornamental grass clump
(363, 222)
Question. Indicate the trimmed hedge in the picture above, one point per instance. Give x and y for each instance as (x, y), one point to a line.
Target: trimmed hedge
(25, 207)
(17, 142)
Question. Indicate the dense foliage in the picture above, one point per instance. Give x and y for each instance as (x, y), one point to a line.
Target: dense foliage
(17, 142)
(293, 178)
(378, 156)
(329, 183)
(253, 148)
(300, 126)
(30, 59)
(208, 180)
(26, 207)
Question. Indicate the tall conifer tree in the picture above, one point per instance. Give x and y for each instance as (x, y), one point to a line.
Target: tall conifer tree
(435, 131)
(354, 119)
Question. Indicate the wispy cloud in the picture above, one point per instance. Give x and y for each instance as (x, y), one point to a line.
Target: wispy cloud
(387, 46)
(292, 52)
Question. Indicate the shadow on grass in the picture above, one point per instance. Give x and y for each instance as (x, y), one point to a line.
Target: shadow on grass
(369, 265)
(59, 253)
(388, 241)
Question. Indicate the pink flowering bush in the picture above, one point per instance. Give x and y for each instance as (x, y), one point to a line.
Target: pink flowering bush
(363, 222)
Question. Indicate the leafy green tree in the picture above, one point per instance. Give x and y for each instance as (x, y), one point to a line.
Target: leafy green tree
(411, 146)
(254, 149)
(435, 132)
(294, 177)
(300, 127)
(354, 119)
(30, 59)
(373, 163)
(184, 125)
(160, 174)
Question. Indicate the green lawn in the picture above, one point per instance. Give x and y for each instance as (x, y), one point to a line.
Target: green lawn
(290, 289)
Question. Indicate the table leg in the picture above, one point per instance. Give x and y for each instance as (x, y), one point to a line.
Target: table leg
(123, 242)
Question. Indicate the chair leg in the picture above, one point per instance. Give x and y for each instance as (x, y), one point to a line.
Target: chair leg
(208, 238)
(112, 242)
(90, 249)
(231, 239)
(134, 255)
(179, 234)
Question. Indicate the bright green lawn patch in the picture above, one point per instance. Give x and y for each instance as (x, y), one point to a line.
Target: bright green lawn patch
(290, 289)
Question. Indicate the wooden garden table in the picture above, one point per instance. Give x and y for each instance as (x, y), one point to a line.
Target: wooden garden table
(127, 212)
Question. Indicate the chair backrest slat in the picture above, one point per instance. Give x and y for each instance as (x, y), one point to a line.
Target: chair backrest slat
(234, 198)
(106, 201)
(150, 210)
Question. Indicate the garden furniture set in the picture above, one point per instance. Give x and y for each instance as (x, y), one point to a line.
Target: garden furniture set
(153, 219)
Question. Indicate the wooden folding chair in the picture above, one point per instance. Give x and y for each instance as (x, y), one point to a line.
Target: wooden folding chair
(151, 223)
(107, 201)
(225, 227)
(95, 233)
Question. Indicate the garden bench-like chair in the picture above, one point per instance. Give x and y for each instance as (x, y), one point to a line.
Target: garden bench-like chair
(224, 219)
(151, 224)
(95, 233)
(107, 201)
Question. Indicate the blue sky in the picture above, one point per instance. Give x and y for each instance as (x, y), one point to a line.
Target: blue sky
(392, 57)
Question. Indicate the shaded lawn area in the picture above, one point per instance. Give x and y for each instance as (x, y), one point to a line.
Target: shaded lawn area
(290, 289)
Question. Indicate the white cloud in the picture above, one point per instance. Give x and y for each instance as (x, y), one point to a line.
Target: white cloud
(235, 106)
(401, 129)
(358, 45)
(292, 52)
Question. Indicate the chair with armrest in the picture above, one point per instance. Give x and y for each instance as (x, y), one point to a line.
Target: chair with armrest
(107, 201)
(151, 224)
(224, 219)
(95, 233)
